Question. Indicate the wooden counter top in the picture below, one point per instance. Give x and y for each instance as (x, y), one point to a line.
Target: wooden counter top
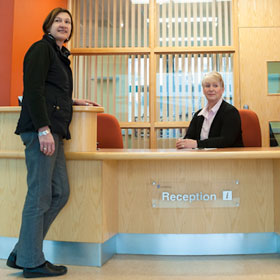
(168, 154)
(10, 109)
(174, 154)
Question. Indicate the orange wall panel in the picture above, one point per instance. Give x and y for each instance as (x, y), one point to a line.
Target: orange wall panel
(29, 16)
(6, 31)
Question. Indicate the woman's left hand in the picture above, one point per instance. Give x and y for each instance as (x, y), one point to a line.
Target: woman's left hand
(85, 102)
(186, 144)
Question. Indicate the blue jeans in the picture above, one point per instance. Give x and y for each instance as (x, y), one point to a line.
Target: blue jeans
(48, 192)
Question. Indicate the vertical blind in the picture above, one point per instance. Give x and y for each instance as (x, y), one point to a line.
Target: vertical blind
(194, 23)
(110, 23)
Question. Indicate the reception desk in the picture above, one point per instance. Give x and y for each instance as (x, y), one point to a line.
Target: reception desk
(167, 202)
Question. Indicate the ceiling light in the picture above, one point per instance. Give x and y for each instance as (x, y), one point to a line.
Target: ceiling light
(198, 1)
(162, 1)
(140, 1)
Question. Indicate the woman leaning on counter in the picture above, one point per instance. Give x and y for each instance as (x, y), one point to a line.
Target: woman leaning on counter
(217, 125)
(43, 124)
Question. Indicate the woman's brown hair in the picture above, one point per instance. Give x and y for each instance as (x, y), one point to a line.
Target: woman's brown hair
(51, 17)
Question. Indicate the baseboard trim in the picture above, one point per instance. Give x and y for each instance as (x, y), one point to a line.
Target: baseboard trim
(96, 254)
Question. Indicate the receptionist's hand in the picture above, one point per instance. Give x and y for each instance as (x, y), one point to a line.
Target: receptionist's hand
(186, 144)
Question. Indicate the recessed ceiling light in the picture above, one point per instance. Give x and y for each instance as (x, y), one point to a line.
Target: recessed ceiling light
(140, 1)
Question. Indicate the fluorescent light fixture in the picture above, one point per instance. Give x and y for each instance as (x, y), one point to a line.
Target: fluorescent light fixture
(198, 1)
(139, 1)
(189, 1)
(186, 39)
(163, 1)
(192, 1)
(179, 20)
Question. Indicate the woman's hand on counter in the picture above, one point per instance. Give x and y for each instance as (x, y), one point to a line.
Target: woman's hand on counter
(186, 144)
(85, 102)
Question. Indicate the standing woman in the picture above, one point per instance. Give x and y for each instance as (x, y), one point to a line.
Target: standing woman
(217, 125)
(43, 124)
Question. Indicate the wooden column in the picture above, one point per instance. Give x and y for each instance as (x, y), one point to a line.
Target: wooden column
(83, 129)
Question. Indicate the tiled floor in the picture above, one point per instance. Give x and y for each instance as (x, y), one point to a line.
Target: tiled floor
(130, 267)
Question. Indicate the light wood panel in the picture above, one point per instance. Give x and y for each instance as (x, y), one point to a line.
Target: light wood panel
(81, 220)
(257, 46)
(276, 194)
(258, 13)
(158, 50)
(236, 61)
(136, 214)
(9, 141)
(91, 213)
(109, 199)
(12, 194)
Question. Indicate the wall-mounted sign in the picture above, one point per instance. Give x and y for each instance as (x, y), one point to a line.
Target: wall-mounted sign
(178, 195)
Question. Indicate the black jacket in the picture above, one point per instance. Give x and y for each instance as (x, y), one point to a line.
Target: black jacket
(225, 130)
(48, 85)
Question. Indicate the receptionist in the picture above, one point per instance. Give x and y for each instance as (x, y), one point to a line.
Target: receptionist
(217, 125)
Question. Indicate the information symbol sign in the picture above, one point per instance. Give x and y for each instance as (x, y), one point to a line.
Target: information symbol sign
(227, 195)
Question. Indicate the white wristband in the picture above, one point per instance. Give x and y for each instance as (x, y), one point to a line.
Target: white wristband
(44, 132)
